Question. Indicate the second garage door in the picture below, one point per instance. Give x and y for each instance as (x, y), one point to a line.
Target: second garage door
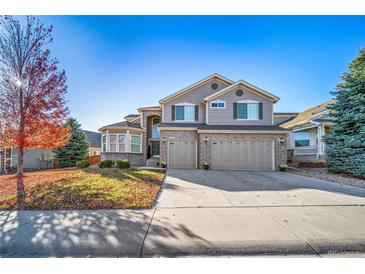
(182, 154)
(242, 154)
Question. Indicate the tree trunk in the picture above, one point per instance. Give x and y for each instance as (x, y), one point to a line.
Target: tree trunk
(20, 182)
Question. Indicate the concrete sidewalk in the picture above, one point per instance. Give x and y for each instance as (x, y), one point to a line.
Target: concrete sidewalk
(202, 213)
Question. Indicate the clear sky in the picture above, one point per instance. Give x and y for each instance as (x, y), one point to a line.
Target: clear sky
(115, 64)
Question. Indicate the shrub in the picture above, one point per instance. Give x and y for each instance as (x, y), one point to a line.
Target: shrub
(106, 164)
(82, 164)
(123, 164)
(282, 167)
(163, 165)
(205, 165)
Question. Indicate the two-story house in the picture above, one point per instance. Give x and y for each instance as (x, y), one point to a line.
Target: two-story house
(227, 124)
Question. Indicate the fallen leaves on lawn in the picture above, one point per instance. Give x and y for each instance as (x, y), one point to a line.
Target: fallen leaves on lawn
(77, 189)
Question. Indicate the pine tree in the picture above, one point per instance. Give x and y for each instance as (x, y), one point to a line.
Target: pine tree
(346, 142)
(76, 149)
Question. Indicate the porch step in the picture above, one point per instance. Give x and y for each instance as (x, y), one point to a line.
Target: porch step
(153, 162)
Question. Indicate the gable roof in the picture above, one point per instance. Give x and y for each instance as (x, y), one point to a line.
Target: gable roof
(131, 116)
(308, 115)
(196, 84)
(123, 124)
(93, 138)
(246, 85)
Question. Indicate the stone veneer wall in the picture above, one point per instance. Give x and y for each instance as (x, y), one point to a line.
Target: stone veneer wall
(280, 149)
(136, 159)
(171, 134)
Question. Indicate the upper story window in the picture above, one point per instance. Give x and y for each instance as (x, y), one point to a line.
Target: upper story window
(302, 138)
(155, 124)
(184, 112)
(247, 110)
(218, 104)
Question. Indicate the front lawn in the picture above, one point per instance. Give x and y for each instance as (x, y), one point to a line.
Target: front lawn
(78, 189)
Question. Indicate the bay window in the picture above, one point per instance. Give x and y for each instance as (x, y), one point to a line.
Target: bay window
(125, 142)
(113, 143)
(135, 143)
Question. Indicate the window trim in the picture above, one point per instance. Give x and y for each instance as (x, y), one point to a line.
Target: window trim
(185, 105)
(217, 102)
(248, 101)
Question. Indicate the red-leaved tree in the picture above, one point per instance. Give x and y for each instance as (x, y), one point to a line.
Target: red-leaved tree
(32, 91)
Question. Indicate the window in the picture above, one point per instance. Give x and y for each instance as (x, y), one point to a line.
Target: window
(104, 143)
(252, 111)
(249, 110)
(155, 125)
(185, 112)
(121, 142)
(302, 138)
(218, 104)
(112, 142)
(136, 143)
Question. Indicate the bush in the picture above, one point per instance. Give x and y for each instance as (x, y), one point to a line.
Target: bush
(282, 167)
(106, 164)
(205, 165)
(82, 164)
(163, 164)
(123, 164)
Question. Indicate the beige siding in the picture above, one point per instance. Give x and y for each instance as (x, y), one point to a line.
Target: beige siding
(194, 97)
(225, 116)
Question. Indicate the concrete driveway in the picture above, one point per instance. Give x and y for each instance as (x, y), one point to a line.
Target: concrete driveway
(203, 213)
(255, 213)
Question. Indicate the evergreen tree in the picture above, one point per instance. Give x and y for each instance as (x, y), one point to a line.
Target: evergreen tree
(346, 142)
(76, 148)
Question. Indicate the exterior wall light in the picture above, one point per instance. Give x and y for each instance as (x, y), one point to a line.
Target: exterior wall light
(281, 140)
(206, 140)
(163, 140)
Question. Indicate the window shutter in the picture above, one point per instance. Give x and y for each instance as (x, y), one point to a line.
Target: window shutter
(235, 111)
(196, 113)
(173, 112)
(260, 111)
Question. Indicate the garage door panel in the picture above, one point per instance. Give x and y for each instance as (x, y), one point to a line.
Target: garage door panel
(242, 154)
(182, 154)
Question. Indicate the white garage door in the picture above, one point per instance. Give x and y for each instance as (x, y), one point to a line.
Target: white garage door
(242, 154)
(182, 154)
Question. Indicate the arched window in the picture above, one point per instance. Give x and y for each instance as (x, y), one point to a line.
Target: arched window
(155, 125)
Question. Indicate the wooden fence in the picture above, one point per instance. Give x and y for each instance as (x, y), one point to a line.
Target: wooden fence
(93, 160)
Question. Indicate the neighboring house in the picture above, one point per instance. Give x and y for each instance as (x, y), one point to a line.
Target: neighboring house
(306, 132)
(94, 141)
(229, 125)
(281, 117)
(33, 158)
(42, 158)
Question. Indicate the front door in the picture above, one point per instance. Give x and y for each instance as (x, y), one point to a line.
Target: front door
(155, 147)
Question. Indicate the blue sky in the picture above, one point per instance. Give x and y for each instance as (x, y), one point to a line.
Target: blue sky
(115, 64)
